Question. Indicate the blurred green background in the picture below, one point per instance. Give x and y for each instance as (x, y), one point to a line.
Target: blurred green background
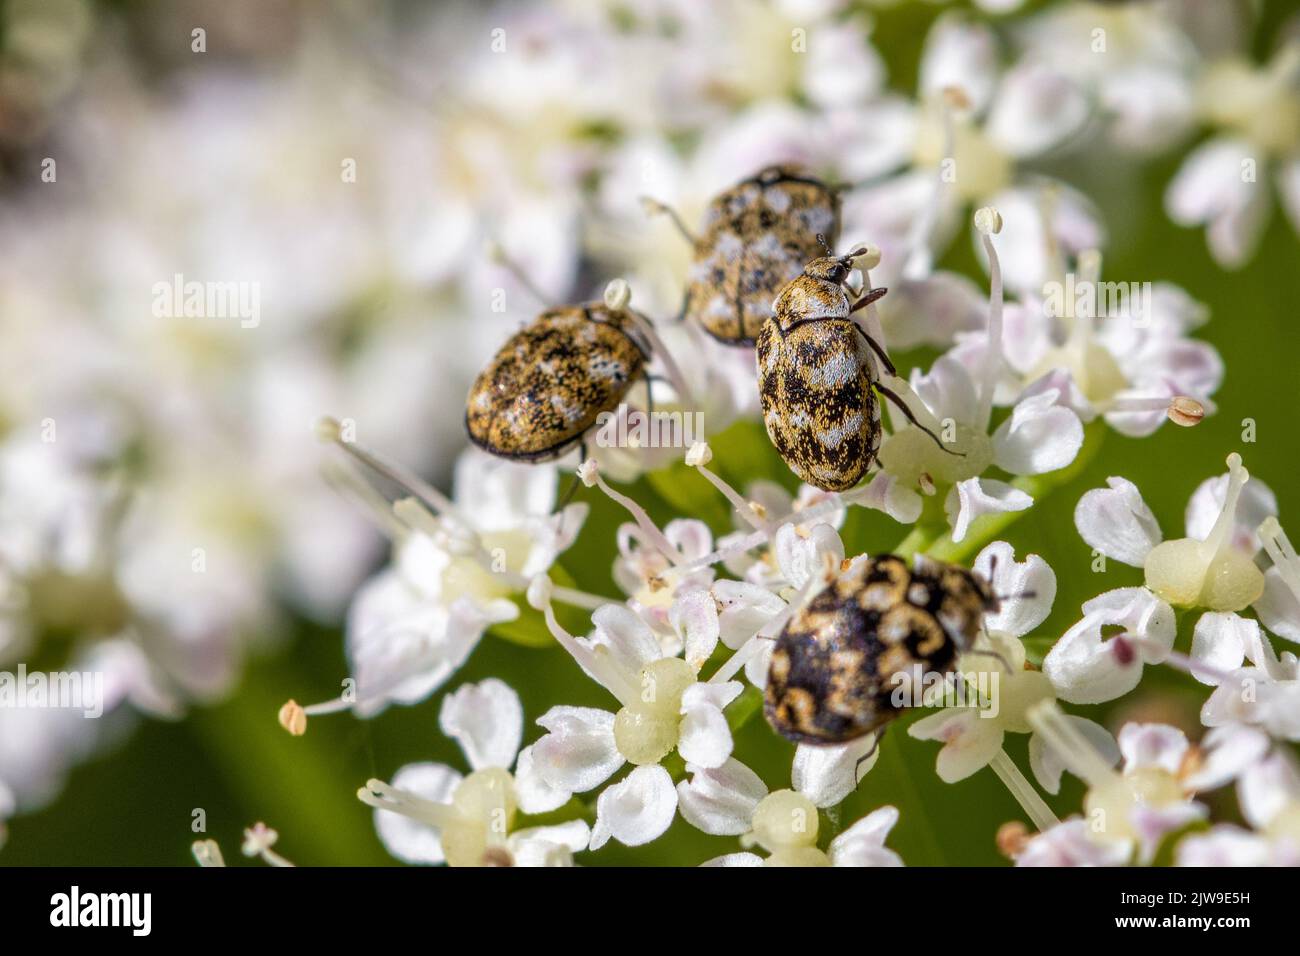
(134, 805)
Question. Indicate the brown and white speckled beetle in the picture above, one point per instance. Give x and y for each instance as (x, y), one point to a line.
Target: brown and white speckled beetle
(837, 663)
(551, 380)
(755, 238)
(816, 380)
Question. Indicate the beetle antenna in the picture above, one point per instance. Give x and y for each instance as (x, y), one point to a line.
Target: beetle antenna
(907, 412)
(821, 238)
(498, 254)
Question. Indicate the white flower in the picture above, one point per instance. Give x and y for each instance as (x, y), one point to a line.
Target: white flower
(1223, 183)
(1137, 807)
(1070, 843)
(430, 813)
(785, 824)
(973, 735)
(1039, 436)
(1135, 61)
(664, 708)
(1266, 694)
(1213, 572)
(412, 625)
(1090, 664)
(971, 129)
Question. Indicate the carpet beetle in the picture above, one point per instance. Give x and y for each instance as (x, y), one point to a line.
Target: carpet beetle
(838, 661)
(754, 238)
(549, 383)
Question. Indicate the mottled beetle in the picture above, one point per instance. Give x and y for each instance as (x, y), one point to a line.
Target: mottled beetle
(816, 381)
(838, 662)
(553, 378)
(755, 238)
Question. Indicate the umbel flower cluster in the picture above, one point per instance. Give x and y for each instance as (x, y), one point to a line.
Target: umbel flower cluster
(1018, 399)
(160, 501)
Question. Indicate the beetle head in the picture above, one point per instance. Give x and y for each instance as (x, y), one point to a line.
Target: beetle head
(833, 268)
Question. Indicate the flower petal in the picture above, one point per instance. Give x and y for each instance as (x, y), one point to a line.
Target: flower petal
(636, 810)
(1278, 607)
(826, 775)
(579, 753)
(885, 492)
(963, 54)
(969, 741)
(801, 556)
(703, 736)
(976, 497)
(745, 609)
(694, 616)
(549, 846)
(487, 720)
(410, 840)
(1220, 641)
(1036, 108)
(534, 794)
(863, 844)
(1117, 522)
(1152, 746)
(1046, 763)
(1086, 668)
(1040, 436)
(720, 800)
(1026, 589)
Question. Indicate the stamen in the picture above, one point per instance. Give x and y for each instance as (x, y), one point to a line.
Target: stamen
(369, 501)
(1078, 755)
(989, 223)
(593, 660)
(920, 259)
(866, 262)
(618, 294)
(698, 457)
(258, 840)
(380, 795)
(1279, 548)
(207, 853)
(293, 718)
(1035, 807)
(1181, 409)
(329, 430)
(589, 472)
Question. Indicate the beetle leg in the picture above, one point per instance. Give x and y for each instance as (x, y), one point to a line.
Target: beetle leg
(876, 347)
(912, 418)
(867, 299)
(655, 207)
(573, 485)
(875, 745)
